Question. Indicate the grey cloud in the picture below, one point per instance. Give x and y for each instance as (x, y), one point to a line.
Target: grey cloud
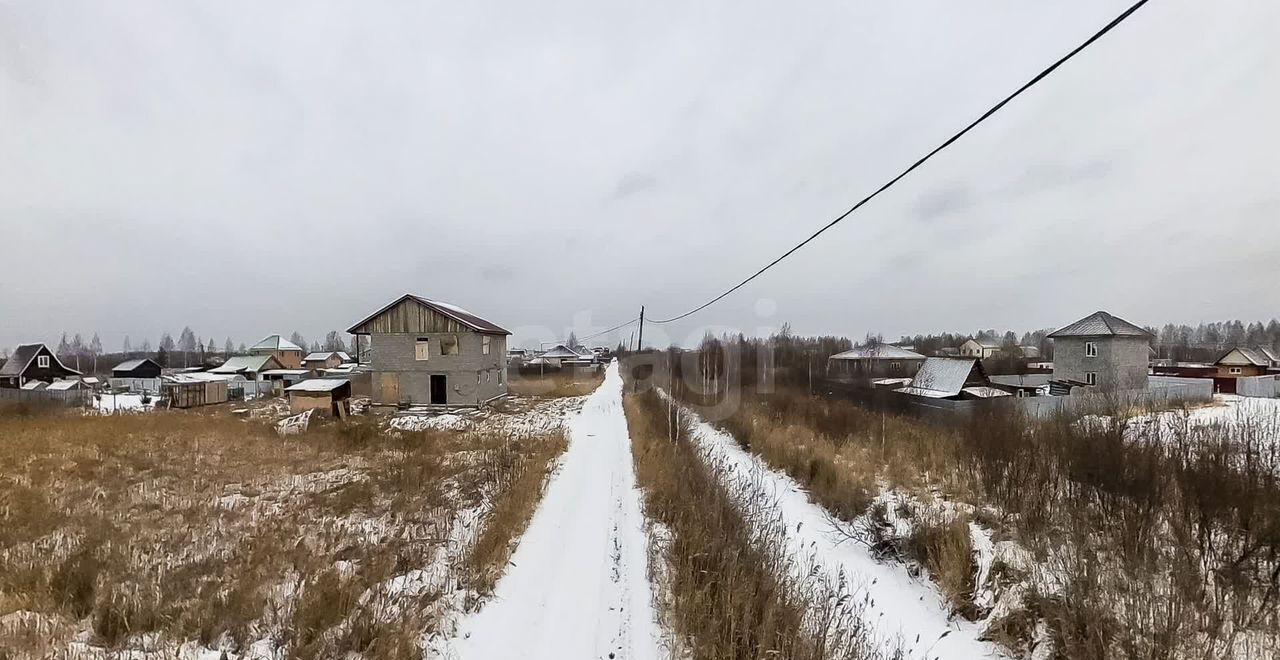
(634, 183)
(944, 201)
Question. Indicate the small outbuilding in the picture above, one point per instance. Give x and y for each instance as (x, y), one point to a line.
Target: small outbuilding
(144, 368)
(951, 378)
(195, 389)
(314, 362)
(329, 394)
(874, 362)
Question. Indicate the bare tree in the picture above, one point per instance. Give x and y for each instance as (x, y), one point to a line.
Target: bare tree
(95, 349)
(127, 348)
(187, 343)
(298, 339)
(333, 342)
(228, 348)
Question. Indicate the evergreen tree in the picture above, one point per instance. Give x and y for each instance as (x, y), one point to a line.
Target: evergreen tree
(146, 348)
(127, 349)
(64, 348)
(228, 348)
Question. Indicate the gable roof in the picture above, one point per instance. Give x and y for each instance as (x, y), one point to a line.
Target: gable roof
(275, 343)
(444, 309)
(130, 365)
(561, 351)
(22, 358)
(64, 385)
(253, 363)
(942, 377)
(878, 352)
(985, 343)
(322, 355)
(1257, 356)
(1100, 324)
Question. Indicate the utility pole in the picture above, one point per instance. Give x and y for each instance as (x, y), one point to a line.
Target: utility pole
(640, 344)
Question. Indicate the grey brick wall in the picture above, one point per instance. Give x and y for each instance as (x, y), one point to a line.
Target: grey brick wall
(473, 376)
(1121, 363)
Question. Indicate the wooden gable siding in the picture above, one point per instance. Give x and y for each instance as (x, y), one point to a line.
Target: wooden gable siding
(410, 317)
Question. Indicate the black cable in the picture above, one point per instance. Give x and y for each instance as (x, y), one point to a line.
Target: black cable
(994, 109)
(616, 327)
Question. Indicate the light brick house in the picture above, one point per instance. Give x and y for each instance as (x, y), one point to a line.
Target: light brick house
(427, 352)
(1104, 351)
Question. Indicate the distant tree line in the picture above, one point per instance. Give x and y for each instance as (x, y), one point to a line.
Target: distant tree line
(188, 350)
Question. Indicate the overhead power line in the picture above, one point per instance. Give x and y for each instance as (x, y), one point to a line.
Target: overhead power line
(994, 109)
(605, 332)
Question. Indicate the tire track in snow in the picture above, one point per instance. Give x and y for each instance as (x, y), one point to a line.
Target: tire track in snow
(578, 583)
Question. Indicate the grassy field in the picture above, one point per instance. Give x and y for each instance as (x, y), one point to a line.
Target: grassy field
(150, 532)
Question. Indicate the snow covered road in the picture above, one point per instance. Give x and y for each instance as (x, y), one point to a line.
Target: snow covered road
(898, 607)
(578, 585)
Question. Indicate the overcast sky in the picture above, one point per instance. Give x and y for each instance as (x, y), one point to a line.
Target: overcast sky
(247, 168)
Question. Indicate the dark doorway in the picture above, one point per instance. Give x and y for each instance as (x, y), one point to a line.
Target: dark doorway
(438, 389)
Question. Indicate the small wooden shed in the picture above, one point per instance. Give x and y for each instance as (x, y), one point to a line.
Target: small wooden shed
(192, 390)
(327, 394)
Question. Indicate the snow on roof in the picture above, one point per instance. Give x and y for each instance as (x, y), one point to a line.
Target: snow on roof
(322, 355)
(317, 385)
(1257, 356)
(986, 343)
(63, 385)
(91, 380)
(946, 376)
(275, 343)
(241, 363)
(878, 352)
(285, 372)
(920, 391)
(561, 351)
(199, 377)
(984, 392)
(1100, 324)
(33, 385)
(891, 381)
(345, 357)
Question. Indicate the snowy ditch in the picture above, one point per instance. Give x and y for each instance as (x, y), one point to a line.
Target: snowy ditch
(903, 611)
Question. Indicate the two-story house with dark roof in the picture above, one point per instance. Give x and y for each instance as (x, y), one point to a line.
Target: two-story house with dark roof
(1104, 351)
(430, 352)
(33, 362)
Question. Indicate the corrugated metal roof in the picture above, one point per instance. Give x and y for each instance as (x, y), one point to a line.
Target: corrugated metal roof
(878, 352)
(1101, 324)
(317, 385)
(920, 391)
(943, 375)
(275, 343)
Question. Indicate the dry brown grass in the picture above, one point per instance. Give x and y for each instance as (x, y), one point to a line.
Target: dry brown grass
(208, 528)
(557, 385)
(1153, 545)
(729, 588)
(525, 472)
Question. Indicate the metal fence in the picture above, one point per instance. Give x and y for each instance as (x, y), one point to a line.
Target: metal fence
(60, 398)
(1258, 386)
(136, 385)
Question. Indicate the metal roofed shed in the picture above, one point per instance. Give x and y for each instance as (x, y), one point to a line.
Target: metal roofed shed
(66, 385)
(330, 394)
(863, 364)
(941, 378)
(143, 368)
